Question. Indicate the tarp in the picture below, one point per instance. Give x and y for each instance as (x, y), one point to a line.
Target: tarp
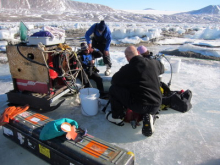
(23, 31)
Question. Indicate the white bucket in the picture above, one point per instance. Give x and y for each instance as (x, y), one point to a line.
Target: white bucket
(89, 101)
(176, 64)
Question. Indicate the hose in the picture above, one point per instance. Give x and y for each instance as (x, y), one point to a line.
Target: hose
(171, 70)
(158, 56)
(57, 63)
(35, 62)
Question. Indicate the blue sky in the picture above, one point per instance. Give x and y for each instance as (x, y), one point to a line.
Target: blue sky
(164, 5)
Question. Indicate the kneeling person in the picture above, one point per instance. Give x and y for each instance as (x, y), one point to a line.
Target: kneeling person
(136, 86)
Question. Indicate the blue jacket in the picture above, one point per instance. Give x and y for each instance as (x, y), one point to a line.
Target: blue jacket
(107, 35)
(86, 59)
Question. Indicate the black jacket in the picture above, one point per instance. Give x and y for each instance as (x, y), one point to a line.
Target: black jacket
(140, 77)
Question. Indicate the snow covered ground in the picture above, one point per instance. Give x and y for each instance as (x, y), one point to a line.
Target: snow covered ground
(190, 138)
(180, 138)
(193, 36)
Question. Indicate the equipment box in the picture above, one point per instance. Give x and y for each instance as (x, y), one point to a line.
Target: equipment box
(34, 82)
(25, 130)
(45, 40)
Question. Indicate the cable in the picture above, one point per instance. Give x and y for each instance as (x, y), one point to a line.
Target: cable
(35, 62)
(57, 62)
(171, 70)
(158, 56)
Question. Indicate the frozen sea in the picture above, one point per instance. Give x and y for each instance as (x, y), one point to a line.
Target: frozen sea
(191, 138)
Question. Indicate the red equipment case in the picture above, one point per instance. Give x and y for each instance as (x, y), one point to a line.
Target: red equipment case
(34, 83)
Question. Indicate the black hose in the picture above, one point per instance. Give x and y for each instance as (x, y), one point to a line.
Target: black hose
(57, 69)
(35, 62)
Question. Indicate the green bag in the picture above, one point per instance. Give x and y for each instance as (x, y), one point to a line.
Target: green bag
(53, 128)
(23, 31)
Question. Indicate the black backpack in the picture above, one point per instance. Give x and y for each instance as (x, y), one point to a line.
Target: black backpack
(177, 100)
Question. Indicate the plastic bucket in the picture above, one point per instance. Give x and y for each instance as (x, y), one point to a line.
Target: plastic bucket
(89, 101)
(175, 63)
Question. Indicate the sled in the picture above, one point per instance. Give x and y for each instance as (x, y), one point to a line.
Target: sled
(25, 130)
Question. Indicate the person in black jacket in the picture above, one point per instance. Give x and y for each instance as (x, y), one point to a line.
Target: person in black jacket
(136, 86)
(87, 56)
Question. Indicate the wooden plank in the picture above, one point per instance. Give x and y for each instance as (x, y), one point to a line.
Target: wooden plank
(21, 68)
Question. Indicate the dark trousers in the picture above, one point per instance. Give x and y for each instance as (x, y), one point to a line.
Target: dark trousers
(95, 76)
(101, 47)
(121, 99)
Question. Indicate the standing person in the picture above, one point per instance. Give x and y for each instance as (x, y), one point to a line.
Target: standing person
(101, 40)
(87, 56)
(136, 86)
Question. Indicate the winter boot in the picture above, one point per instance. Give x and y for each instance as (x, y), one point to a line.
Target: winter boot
(155, 117)
(109, 117)
(148, 125)
(108, 70)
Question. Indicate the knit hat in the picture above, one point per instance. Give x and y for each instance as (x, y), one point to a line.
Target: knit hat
(84, 46)
(141, 49)
(101, 26)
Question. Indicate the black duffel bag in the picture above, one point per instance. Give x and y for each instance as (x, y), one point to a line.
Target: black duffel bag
(177, 100)
(181, 101)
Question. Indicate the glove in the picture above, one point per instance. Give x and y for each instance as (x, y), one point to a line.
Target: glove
(95, 70)
(11, 112)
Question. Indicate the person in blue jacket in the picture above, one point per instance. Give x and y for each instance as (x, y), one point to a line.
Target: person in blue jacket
(101, 40)
(87, 57)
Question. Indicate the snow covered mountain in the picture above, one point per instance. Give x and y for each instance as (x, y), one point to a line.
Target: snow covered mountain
(52, 5)
(211, 9)
(73, 11)
(148, 9)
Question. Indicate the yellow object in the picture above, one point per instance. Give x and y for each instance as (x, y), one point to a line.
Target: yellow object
(162, 90)
(130, 153)
(44, 151)
(64, 47)
(164, 107)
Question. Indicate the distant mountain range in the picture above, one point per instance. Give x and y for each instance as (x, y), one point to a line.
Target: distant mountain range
(149, 9)
(211, 9)
(52, 5)
(74, 11)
